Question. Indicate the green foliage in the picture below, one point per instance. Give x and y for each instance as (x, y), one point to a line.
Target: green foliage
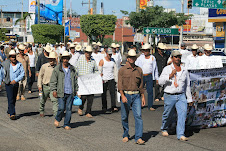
(109, 41)
(97, 26)
(25, 15)
(155, 17)
(2, 34)
(44, 33)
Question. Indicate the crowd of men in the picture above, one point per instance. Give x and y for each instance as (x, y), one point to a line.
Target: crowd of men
(57, 68)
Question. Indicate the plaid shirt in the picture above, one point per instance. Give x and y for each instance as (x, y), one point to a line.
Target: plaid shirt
(83, 67)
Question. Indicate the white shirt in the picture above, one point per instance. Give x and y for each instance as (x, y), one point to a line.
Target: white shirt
(97, 57)
(192, 62)
(61, 50)
(185, 54)
(118, 59)
(74, 58)
(148, 66)
(34, 48)
(108, 69)
(183, 81)
(32, 59)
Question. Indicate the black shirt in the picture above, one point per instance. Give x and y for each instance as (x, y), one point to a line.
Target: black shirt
(41, 60)
(161, 61)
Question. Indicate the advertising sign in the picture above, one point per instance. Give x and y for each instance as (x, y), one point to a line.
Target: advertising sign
(51, 12)
(32, 5)
(217, 15)
(220, 32)
(143, 4)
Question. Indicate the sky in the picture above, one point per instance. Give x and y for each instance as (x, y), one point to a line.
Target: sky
(110, 6)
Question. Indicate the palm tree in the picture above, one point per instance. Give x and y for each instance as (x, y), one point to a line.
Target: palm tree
(22, 22)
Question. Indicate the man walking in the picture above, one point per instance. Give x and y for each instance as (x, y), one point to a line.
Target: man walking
(192, 60)
(116, 56)
(176, 80)
(24, 59)
(14, 72)
(74, 54)
(63, 83)
(130, 86)
(86, 65)
(147, 63)
(44, 84)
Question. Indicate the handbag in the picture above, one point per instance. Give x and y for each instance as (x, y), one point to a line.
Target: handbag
(77, 101)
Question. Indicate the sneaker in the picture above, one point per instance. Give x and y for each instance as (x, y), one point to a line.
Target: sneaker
(140, 142)
(183, 138)
(165, 133)
(89, 115)
(80, 112)
(17, 97)
(125, 139)
(56, 123)
(22, 98)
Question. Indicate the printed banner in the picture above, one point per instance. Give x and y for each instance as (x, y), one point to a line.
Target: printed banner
(90, 84)
(208, 89)
(32, 4)
(51, 12)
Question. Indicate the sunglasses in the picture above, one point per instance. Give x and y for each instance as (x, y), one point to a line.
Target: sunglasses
(12, 56)
(179, 56)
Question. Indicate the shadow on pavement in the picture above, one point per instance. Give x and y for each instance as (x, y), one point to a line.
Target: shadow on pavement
(34, 97)
(78, 124)
(147, 135)
(27, 114)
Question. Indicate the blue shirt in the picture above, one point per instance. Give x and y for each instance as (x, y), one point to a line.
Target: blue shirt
(3, 55)
(67, 81)
(18, 74)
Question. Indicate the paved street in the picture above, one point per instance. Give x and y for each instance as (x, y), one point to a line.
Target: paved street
(102, 132)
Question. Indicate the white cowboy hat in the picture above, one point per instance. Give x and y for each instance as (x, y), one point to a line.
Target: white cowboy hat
(61, 43)
(75, 43)
(65, 54)
(52, 55)
(68, 43)
(12, 52)
(175, 53)
(99, 44)
(21, 47)
(94, 43)
(194, 46)
(146, 46)
(89, 49)
(117, 45)
(113, 45)
(208, 47)
(161, 46)
(56, 43)
(72, 45)
(47, 48)
(132, 53)
(78, 48)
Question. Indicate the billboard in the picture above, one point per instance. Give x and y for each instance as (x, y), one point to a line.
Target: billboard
(51, 12)
(143, 4)
(217, 15)
(32, 4)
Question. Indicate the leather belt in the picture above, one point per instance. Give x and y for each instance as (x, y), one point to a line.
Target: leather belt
(132, 92)
(173, 93)
(147, 74)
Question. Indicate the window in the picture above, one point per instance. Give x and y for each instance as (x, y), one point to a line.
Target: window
(10, 15)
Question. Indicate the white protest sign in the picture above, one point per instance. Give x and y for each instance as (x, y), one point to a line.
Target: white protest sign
(90, 84)
(210, 62)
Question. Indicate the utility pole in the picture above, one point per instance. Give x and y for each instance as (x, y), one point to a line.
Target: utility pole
(89, 8)
(38, 11)
(94, 7)
(1, 13)
(181, 28)
(137, 5)
(71, 8)
(65, 17)
(22, 15)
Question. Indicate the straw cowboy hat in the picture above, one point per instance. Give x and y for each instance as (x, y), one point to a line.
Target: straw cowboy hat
(208, 47)
(47, 48)
(52, 55)
(72, 45)
(117, 45)
(132, 53)
(161, 46)
(21, 47)
(78, 48)
(61, 43)
(146, 46)
(99, 44)
(113, 45)
(175, 53)
(94, 43)
(89, 49)
(194, 47)
(12, 52)
(66, 54)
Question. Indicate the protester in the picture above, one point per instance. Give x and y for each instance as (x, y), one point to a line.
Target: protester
(8, 49)
(118, 49)
(176, 80)
(130, 86)
(105, 50)
(61, 48)
(109, 72)
(34, 47)
(44, 84)
(96, 55)
(99, 46)
(24, 59)
(2, 54)
(63, 83)
(42, 58)
(208, 50)
(116, 56)
(32, 59)
(14, 72)
(86, 65)
(150, 72)
(192, 60)
(161, 60)
(74, 54)
(39, 50)
(200, 52)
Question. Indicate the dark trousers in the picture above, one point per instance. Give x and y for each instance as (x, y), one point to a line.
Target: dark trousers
(158, 91)
(11, 91)
(111, 86)
(148, 81)
(31, 80)
(89, 99)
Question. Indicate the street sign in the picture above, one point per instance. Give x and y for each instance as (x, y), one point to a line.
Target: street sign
(160, 31)
(209, 3)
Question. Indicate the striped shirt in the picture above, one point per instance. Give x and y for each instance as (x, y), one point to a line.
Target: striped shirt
(83, 67)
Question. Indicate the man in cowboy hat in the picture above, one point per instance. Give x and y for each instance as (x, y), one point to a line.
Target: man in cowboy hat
(208, 50)
(130, 86)
(161, 60)
(14, 72)
(43, 83)
(61, 48)
(74, 54)
(43, 58)
(192, 60)
(118, 48)
(24, 59)
(86, 65)
(99, 45)
(8, 49)
(147, 63)
(96, 55)
(105, 50)
(116, 56)
(64, 86)
(176, 82)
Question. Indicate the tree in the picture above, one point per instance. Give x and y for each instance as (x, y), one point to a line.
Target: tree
(109, 41)
(97, 26)
(45, 33)
(2, 34)
(155, 17)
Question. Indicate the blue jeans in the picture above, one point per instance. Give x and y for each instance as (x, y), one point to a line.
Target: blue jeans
(134, 101)
(67, 99)
(148, 80)
(11, 91)
(170, 102)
